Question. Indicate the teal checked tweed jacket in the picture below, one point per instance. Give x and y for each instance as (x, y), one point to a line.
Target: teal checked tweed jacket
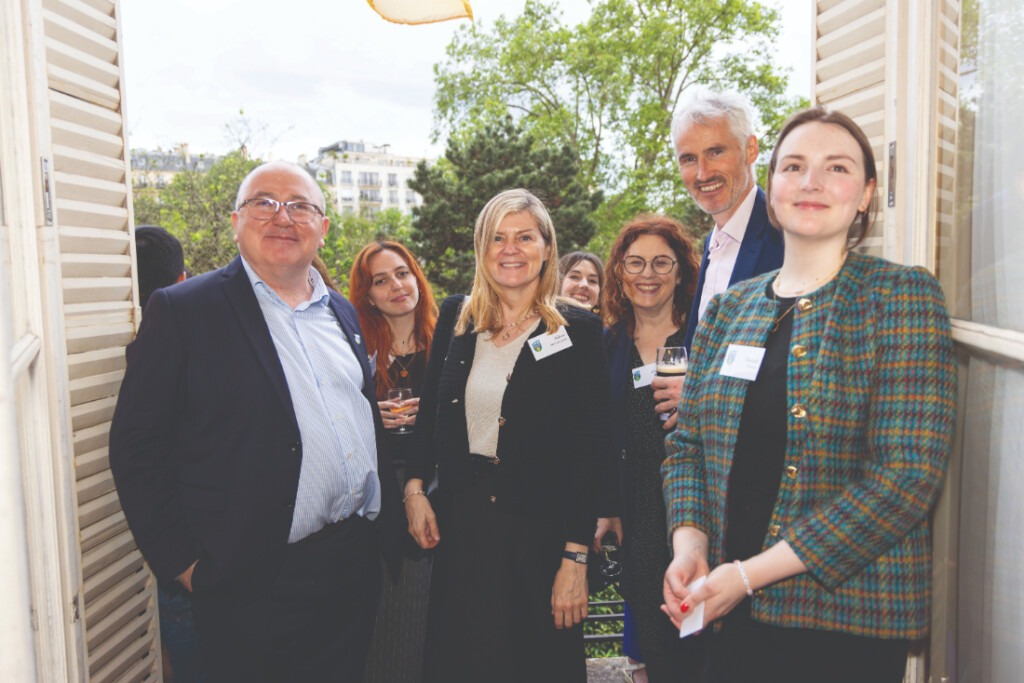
(872, 400)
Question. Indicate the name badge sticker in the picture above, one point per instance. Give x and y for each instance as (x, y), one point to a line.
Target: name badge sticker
(643, 375)
(544, 345)
(742, 362)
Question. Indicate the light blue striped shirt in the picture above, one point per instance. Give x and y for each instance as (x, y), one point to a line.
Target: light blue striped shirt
(339, 452)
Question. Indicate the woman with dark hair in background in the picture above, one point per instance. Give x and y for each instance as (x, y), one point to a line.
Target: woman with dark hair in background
(814, 434)
(513, 420)
(650, 282)
(397, 314)
(582, 278)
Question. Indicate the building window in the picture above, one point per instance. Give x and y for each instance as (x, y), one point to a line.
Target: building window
(979, 266)
(346, 178)
(393, 197)
(369, 179)
(369, 195)
(392, 180)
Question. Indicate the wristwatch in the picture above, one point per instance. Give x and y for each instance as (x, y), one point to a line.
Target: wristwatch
(579, 558)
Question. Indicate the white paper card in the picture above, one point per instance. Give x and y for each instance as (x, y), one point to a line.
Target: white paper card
(695, 621)
(742, 362)
(544, 345)
(643, 375)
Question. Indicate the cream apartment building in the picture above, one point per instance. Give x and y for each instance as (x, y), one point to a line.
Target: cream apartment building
(364, 178)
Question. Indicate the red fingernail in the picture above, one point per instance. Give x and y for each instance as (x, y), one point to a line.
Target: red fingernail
(683, 607)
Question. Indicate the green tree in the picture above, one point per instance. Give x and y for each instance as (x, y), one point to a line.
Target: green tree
(196, 208)
(350, 233)
(609, 86)
(497, 156)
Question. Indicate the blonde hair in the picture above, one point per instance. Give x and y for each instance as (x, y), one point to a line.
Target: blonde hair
(483, 308)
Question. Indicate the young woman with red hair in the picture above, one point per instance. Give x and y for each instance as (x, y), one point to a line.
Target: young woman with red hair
(397, 313)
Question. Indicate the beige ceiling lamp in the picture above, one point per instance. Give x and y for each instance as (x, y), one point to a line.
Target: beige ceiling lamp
(422, 11)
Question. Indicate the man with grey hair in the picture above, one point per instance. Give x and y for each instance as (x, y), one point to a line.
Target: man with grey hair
(246, 448)
(715, 146)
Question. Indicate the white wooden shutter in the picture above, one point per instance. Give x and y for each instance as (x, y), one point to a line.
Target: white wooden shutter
(893, 66)
(851, 75)
(80, 103)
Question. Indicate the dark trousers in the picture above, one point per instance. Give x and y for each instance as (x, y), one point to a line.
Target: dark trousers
(746, 650)
(490, 603)
(314, 622)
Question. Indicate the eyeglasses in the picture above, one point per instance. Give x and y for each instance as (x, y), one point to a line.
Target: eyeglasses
(265, 209)
(662, 265)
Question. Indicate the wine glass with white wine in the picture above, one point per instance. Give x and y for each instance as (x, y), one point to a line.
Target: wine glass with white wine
(399, 404)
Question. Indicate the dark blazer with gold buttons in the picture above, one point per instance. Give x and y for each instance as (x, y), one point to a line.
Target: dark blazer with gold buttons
(872, 399)
(554, 424)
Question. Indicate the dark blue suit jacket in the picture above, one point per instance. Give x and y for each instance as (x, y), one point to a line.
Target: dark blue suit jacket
(204, 445)
(760, 252)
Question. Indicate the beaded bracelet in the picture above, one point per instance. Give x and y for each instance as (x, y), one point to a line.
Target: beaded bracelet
(743, 575)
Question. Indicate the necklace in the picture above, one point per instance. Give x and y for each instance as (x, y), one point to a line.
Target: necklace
(801, 292)
(778, 320)
(405, 341)
(403, 368)
(814, 283)
(529, 313)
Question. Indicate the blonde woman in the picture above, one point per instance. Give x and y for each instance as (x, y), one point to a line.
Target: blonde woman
(513, 417)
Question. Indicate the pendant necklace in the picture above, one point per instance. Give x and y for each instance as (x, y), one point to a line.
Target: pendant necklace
(403, 368)
(507, 334)
(796, 295)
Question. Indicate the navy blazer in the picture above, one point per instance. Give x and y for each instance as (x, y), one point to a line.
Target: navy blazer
(204, 445)
(760, 252)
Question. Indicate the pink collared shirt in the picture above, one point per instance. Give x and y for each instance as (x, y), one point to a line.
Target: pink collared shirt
(723, 250)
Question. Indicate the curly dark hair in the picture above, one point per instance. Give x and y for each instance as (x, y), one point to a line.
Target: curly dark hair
(615, 307)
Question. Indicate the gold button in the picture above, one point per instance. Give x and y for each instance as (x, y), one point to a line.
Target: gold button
(774, 530)
(804, 305)
(798, 411)
(791, 472)
(501, 421)
(799, 350)
(494, 499)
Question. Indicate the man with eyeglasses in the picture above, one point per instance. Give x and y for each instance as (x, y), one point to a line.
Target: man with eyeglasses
(246, 454)
(713, 136)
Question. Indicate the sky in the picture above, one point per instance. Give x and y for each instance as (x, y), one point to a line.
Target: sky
(308, 73)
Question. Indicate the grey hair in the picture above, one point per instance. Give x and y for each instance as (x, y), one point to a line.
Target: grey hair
(707, 106)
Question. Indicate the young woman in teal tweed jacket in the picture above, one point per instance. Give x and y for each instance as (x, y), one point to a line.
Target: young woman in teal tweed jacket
(821, 552)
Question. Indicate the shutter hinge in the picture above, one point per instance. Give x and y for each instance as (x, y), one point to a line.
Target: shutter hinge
(892, 175)
(44, 167)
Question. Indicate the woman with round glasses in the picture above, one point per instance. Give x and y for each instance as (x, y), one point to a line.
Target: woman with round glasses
(651, 277)
(815, 429)
(397, 314)
(513, 420)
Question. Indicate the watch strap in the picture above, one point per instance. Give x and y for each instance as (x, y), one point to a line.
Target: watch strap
(578, 558)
